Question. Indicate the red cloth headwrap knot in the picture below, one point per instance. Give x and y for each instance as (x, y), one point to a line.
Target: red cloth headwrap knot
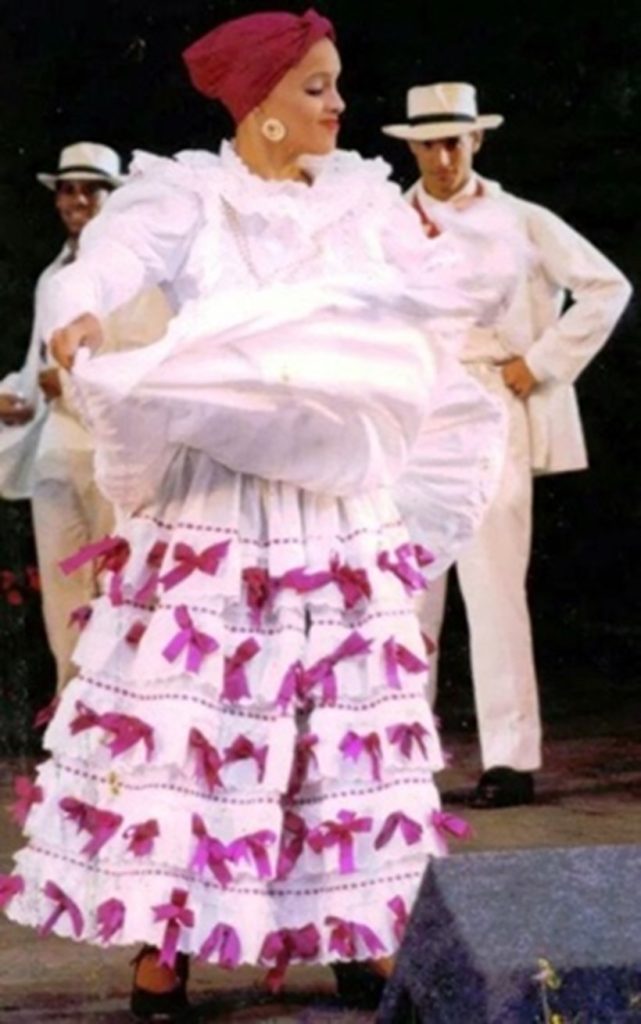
(241, 61)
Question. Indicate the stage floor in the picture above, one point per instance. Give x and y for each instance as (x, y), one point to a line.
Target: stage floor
(588, 794)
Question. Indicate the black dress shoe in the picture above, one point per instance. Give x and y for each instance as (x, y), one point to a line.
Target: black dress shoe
(359, 986)
(502, 787)
(161, 1006)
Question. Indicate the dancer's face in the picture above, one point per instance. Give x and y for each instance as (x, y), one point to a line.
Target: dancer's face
(77, 202)
(308, 102)
(446, 164)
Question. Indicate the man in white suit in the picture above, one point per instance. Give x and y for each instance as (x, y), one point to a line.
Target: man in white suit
(45, 451)
(567, 303)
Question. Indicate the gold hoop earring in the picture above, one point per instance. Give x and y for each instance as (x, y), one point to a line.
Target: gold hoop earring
(273, 129)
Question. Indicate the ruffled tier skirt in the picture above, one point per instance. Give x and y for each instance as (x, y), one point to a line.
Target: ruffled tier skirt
(243, 767)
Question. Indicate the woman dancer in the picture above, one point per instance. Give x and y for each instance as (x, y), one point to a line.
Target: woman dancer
(242, 768)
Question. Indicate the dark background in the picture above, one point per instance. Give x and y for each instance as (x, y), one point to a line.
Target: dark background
(567, 78)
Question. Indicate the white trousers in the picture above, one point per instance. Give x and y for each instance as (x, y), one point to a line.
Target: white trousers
(492, 576)
(66, 515)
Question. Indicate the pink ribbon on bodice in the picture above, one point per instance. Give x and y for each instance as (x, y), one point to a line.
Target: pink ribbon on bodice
(126, 730)
(224, 940)
(401, 917)
(198, 644)
(346, 936)
(147, 591)
(304, 757)
(211, 853)
(253, 847)
(242, 749)
(284, 946)
(80, 616)
(406, 735)
(141, 837)
(207, 561)
(396, 656)
(353, 745)
(340, 833)
(410, 830)
(101, 825)
(177, 915)
(110, 917)
(294, 835)
(409, 576)
(446, 825)
(110, 553)
(63, 905)
(27, 795)
(208, 760)
(235, 685)
(299, 681)
(10, 886)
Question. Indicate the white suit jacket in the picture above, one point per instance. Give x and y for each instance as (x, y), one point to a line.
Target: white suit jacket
(556, 342)
(45, 448)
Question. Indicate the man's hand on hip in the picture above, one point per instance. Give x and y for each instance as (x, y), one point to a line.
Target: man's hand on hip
(518, 377)
(84, 331)
(14, 411)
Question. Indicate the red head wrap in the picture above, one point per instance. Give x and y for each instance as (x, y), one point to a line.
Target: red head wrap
(241, 61)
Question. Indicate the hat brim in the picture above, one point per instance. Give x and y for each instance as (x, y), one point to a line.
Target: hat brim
(442, 130)
(51, 180)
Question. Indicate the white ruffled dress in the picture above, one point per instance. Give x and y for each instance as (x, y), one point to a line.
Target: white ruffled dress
(243, 767)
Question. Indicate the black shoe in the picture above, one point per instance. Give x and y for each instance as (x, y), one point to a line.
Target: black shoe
(359, 986)
(502, 787)
(157, 1006)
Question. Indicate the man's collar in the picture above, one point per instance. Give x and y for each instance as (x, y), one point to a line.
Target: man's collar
(426, 200)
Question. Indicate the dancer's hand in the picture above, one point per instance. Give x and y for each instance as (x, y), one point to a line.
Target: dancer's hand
(519, 378)
(49, 383)
(14, 411)
(84, 331)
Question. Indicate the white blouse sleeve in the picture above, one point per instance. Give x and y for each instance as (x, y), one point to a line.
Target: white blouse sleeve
(139, 239)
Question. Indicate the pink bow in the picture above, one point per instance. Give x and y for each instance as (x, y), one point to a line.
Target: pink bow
(353, 745)
(208, 760)
(224, 939)
(260, 590)
(177, 916)
(101, 825)
(291, 849)
(141, 837)
(27, 795)
(198, 644)
(285, 945)
(235, 684)
(410, 577)
(396, 656)
(405, 735)
(399, 910)
(110, 553)
(253, 847)
(340, 833)
(110, 917)
(126, 730)
(352, 583)
(155, 557)
(299, 681)
(410, 830)
(208, 561)
(242, 749)
(64, 905)
(135, 633)
(44, 716)
(345, 935)
(448, 824)
(304, 756)
(80, 616)
(211, 853)
(10, 886)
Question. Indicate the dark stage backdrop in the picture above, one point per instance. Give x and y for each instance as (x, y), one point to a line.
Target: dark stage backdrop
(567, 78)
